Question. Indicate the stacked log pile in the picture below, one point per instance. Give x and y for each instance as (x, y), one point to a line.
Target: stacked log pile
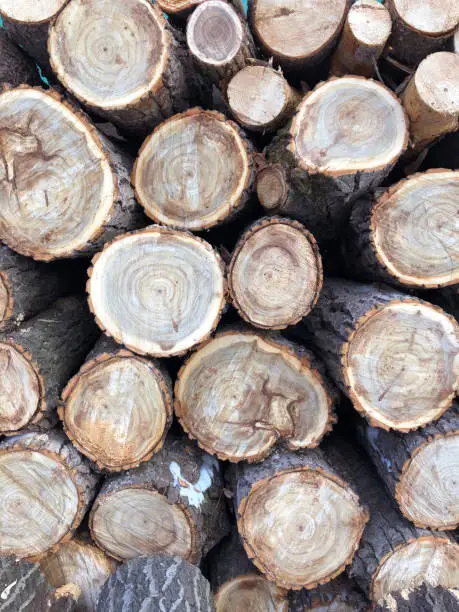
(225, 233)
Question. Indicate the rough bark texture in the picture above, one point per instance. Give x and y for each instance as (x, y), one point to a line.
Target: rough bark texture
(15, 66)
(422, 599)
(339, 595)
(160, 582)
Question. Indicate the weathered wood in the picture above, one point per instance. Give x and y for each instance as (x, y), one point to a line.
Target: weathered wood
(422, 599)
(15, 66)
(46, 487)
(338, 595)
(179, 10)
(172, 503)
(36, 361)
(392, 354)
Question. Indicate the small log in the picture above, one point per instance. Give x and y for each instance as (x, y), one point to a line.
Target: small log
(408, 236)
(79, 562)
(431, 100)
(420, 469)
(46, 487)
(203, 175)
(322, 163)
(300, 523)
(65, 189)
(241, 393)
(261, 99)
(297, 36)
(366, 31)
(339, 595)
(118, 408)
(36, 361)
(275, 273)
(421, 29)
(179, 10)
(15, 66)
(157, 291)
(392, 354)
(424, 598)
(159, 582)
(172, 504)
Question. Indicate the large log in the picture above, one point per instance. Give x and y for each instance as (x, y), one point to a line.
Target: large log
(408, 236)
(46, 487)
(275, 273)
(118, 408)
(122, 60)
(420, 469)
(64, 188)
(338, 595)
(203, 174)
(36, 361)
(158, 291)
(15, 66)
(172, 503)
(425, 598)
(241, 393)
(344, 139)
(392, 354)
(299, 521)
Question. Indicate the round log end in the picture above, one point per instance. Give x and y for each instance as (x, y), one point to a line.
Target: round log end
(413, 229)
(31, 12)
(239, 394)
(201, 175)
(432, 17)
(157, 291)
(437, 83)
(6, 299)
(401, 364)
(370, 23)
(348, 125)
(275, 274)
(251, 592)
(272, 187)
(301, 527)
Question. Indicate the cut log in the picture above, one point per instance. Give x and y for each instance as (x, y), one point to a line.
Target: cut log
(158, 291)
(118, 408)
(79, 562)
(241, 393)
(64, 189)
(275, 273)
(408, 237)
(261, 99)
(179, 10)
(393, 355)
(431, 100)
(15, 67)
(422, 599)
(297, 36)
(300, 523)
(421, 28)
(338, 595)
(159, 582)
(46, 487)
(36, 361)
(366, 31)
(122, 60)
(420, 469)
(172, 504)
(194, 171)
(344, 139)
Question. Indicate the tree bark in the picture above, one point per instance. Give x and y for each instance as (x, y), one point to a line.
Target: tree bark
(163, 313)
(172, 504)
(339, 595)
(419, 468)
(37, 360)
(118, 408)
(179, 586)
(179, 10)
(203, 176)
(46, 489)
(392, 354)
(15, 67)
(321, 164)
(422, 599)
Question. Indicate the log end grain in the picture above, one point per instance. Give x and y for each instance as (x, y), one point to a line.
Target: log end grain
(431, 17)
(272, 187)
(251, 592)
(31, 12)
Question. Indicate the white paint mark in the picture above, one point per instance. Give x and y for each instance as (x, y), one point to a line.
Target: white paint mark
(6, 591)
(194, 493)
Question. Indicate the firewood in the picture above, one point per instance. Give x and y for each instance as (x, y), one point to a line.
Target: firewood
(425, 598)
(366, 30)
(46, 487)
(241, 393)
(172, 504)
(118, 408)
(420, 469)
(344, 139)
(392, 354)
(338, 595)
(299, 521)
(79, 562)
(408, 236)
(275, 273)
(158, 291)
(421, 29)
(122, 60)
(36, 361)
(158, 583)
(15, 66)
(202, 174)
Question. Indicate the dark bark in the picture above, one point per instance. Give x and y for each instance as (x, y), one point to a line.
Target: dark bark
(33, 38)
(339, 595)
(15, 67)
(227, 561)
(422, 599)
